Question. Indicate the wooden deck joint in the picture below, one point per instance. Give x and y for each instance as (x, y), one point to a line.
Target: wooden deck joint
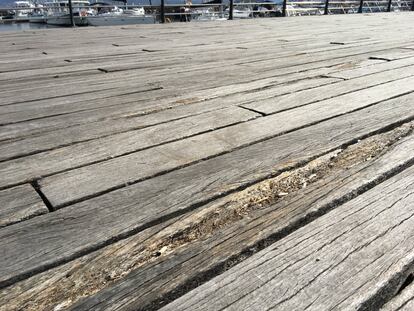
(46, 202)
(380, 58)
(252, 110)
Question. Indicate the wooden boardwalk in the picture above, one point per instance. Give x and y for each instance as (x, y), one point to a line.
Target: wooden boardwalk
(245, 165)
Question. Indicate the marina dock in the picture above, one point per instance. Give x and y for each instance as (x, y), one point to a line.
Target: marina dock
(241, 165)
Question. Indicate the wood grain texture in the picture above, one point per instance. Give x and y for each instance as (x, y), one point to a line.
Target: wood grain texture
(351, 73)
(404, 301)
(191, 106)
(335, 91)
(73, 110)
(344, 259)
(148, 285)
(100, 177)
(76, 155)
(176, 264)
(20, 203)
(85, 226)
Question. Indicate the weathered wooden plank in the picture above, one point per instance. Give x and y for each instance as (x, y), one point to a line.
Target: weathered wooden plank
(93, 130)
(254, 55)
(305, 97)
(92, 99)
(323, 51)
(82, 44)
(152, 98)
(20, 203)
(125, 142)
(50, 123)
(394, 54)
(152, 59)
(351, 73)
(354, 257)
(88, 225)
(14, 97)
(56, 287)
(220, 232)
(404, 301)
(129, 107)
(100, 177)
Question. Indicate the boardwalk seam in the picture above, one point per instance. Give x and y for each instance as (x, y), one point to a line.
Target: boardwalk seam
(45, 200)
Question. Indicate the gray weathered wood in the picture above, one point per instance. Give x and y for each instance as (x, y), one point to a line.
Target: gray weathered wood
(305, 97)
(354, 257)
(404, 301)
(97, 178)
(149, 284)
(88, 225)
(141, 287)
(20, 203)
(349, 74)
(71, 156)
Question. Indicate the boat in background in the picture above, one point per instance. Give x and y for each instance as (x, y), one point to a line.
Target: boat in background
(64, 20)
(121, 17)
(23, 8)
(38, 18)
(207, 14)
(241, 12)
(38, 15)
(58, 12)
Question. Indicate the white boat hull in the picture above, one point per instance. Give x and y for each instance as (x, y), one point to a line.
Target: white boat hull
(119, 20)
(37, 19)
(64, 20)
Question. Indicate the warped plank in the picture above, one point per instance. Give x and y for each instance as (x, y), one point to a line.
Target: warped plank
(83, 227)
(354, 257)
(20, 203)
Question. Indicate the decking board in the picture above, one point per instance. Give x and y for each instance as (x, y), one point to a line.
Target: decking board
(150, 285)
(94, 222)
(20, 203)
(342, 260)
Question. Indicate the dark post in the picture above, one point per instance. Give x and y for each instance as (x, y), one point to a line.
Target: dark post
(231, 10)
(412, 6)
(72, 21)
(325, 12)
(162, 16)
(389, 6)
(284, 8)
(361, 5)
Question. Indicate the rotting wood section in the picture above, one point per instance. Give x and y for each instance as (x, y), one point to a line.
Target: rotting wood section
(344, 252)
(379, 156)
(152, 187)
